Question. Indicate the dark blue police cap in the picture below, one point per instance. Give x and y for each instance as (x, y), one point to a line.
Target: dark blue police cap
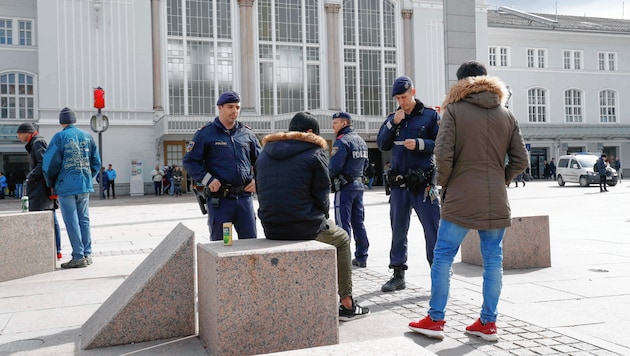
(229, 97)
(401, 85)
(342, 115)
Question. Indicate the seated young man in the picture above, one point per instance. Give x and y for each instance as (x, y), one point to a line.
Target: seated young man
(293, 188)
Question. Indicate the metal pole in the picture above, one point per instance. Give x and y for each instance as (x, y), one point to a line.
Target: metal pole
(100, 152)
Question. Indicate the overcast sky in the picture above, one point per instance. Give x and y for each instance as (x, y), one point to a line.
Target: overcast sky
(590, 8)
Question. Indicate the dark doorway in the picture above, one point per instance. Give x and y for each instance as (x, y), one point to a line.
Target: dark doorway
(538, 157)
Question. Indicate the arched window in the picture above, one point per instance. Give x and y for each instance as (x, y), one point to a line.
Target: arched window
(537, 104)
(289, 54)
(16, 96)
(369, 56)
(200, 54)
(573, 105)
(607, 106)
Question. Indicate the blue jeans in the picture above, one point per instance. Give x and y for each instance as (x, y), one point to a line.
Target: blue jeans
(450, 237)
(76, 216)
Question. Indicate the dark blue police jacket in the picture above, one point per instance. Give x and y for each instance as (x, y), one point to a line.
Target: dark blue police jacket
(349, 158)
(420, 124)
(218, 153)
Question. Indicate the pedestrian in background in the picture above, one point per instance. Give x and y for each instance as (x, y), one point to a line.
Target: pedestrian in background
(476, 134)
(410, 134)
(221, 156)
(102, 185)
(600, 168)
(40, 196)
(70, 163)
(156, 177)
(348, 160)
(111, 180)
(177, 180)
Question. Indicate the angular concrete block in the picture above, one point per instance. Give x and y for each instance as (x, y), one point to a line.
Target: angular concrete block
(27, 242)
(525, 245)
(260, 296)
(157, 301)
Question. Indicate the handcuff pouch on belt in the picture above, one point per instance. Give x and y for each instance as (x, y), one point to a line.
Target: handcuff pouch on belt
(415, 180)
(338, 183)
(224, 191)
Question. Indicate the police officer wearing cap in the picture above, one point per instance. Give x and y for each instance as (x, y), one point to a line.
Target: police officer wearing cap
(221, 156)
(410, 134)
(348, 160)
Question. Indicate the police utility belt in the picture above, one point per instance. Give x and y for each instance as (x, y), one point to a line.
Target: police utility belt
(415, 180)
(341, 181)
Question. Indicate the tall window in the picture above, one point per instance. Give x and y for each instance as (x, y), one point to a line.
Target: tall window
(289, 55)
(200, 54)
(572, 59)
(537, 104)
(607, 106)
(26, 32)
(498, 56)
(573, 105)
(370, 57)
(6, 31)
(607, 61)
(536, 58)
(16, 96)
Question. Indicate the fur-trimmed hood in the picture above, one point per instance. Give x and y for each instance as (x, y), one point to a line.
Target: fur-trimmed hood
(283, 145)
(484, 91)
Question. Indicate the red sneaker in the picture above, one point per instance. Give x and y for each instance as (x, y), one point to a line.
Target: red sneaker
(59, 256)
(487, 332)
(428, 327)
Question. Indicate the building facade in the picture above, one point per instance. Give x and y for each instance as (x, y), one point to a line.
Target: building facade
(163, 63)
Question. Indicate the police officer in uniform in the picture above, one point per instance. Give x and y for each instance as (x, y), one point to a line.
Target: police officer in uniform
(410, 134)
(348, 160)
(221, 156)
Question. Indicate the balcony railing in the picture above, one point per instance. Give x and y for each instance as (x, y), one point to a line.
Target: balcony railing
(265, 124)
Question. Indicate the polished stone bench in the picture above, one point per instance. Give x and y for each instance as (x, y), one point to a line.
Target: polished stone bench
(260, 296)
(27, 243)
(525, 245)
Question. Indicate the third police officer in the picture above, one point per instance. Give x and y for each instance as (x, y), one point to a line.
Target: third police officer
(348, 160)
(410, 134)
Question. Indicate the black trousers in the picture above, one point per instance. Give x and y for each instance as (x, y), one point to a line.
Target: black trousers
(602, 183)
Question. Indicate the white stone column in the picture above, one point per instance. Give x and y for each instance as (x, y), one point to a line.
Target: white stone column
(248, 65)
(460, 43)
(408, 36)
(334, 60)
(156, 50)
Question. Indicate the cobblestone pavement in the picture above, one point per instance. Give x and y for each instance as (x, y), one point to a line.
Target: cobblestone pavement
(516, 337)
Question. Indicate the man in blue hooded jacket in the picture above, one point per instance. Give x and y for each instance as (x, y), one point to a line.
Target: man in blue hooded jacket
(293, 188)
(70, 163)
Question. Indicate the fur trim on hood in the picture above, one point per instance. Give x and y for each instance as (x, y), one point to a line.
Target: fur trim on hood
(474, 85)
(296, 135)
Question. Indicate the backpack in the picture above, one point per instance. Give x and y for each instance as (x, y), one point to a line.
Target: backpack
(595, 167)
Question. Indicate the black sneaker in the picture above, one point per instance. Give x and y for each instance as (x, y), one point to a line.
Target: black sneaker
(88, 260)
(75, 263)
(354, 313)
(358, 264)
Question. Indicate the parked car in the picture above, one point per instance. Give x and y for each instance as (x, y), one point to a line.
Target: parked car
(578, 168)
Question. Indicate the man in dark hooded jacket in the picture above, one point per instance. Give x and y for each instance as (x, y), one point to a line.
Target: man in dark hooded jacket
(38, 193)
(291, 176)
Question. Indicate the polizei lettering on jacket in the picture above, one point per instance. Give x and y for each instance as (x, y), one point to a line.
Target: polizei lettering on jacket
(359, 154)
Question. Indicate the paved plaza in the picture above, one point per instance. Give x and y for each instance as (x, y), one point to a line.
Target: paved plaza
(579, 306)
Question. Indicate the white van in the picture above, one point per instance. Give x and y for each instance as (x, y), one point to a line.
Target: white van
(578, 168)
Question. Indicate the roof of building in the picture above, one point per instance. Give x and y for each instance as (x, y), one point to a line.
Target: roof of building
(509, 17)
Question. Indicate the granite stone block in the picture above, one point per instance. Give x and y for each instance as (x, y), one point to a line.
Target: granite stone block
(156, 301)
(27, 242)
(525, 245)
(259, 296)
